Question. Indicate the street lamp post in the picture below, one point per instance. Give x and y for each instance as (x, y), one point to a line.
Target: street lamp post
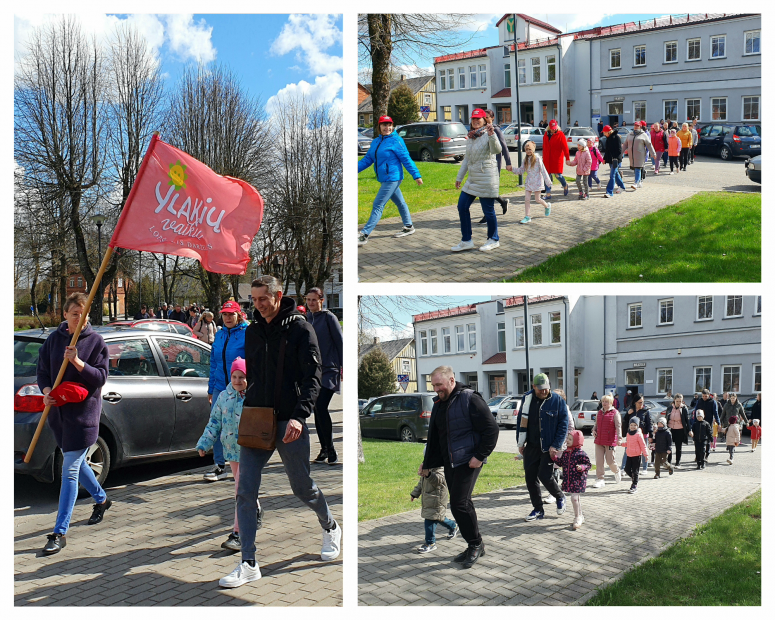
(99, 220)
(516, 89)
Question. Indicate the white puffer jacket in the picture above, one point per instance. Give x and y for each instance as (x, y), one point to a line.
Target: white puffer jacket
(482, 168)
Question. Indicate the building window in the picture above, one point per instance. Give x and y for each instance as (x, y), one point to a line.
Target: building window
(730, 378)
(551, 68)
(461, 338)
(423, 343)
(639, 108)
(671, 110)
(443, 80)
(633, 377)
(757, 377)
(522, 71)
(428, 98)
(451, 75)
(499, 307)
(501, 337)
(615, 59)
(334, 300)
(72, 282)
(635, 311)
(472, 76)
(693, 108)
(482, 76)
(666, 312)
(718, 108)
(554, 327)
(705, 308)
(471, 327)
(718, 46)
(734, 306)
(538, 337)
(702, 376)
(758, 305)
(434, 342)
(519, 331)
(615, 107)
(664, 380)
(640, 55)
(461, 77)
(752, 42)
(576, 376)
(446, 339)
(750, 108)
(120, 282)
(693, 49)
(671, 51)
(507, 75)
(360, 119)
(80, 281)
(535, 63)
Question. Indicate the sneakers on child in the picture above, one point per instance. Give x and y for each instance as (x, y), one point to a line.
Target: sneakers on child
(331, 543)
(216, 473)
(618, 190)
(536, 514)
(526, 219)
(578, 521)
(562, 504)
(244, 573)
(426, 547)
(363, 239)
(581, 196)
(586, 196)
(548, 209)
(599, 484)
(633, 489)
(405, 231)
(634, 186)
(607, 195)
(729, 461)
(453, 533)
(490, 244)
(463, 245)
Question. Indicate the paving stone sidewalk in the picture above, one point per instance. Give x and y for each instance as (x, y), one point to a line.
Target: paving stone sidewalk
(160, 544)
(546, 562)
(426, 256)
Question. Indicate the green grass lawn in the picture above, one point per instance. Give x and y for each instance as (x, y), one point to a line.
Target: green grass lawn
(710, 237)
(719, 564)
(438, 189)
(390, 473)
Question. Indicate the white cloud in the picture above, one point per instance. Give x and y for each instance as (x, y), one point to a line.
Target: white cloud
(190, 40)
(310, 36)
(324, 90)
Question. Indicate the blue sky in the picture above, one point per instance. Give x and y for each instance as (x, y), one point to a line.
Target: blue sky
(270, 53)
(487, 32)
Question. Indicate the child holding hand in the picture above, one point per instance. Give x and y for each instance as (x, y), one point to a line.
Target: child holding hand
(583, 163)
(756, 433)
(535, 175)
(635, 447)
(433, 488)
(733, 438)
(575, 464)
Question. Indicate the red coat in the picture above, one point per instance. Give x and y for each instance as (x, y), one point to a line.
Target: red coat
(555, 152)
(756, 431)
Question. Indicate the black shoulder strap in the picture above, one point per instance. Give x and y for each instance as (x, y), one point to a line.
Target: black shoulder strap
(279, 373)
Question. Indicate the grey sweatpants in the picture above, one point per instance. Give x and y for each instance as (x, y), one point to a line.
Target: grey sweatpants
(581, 183)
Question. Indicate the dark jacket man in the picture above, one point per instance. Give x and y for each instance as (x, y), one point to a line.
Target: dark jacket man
(613, 148)
(710, 408)
(177, 315)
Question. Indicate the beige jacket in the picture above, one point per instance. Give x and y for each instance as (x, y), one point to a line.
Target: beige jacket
(205, 331)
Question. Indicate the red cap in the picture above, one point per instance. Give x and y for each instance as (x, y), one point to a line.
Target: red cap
(607, 128)
(384, 119)
(552, 124)
(231, 306)
(478, 113)
(301, 309)
(69, 392)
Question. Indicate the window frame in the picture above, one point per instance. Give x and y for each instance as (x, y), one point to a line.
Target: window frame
(552, 323)
(635, 49)
(482, 76)
(629, 315)
(640, 370)
(745, 41)
(471, 332)
(634, 115)
(670, 300)
(433, 335)
(517, 329)
(697, 308)
(657, 377)
(611, 57)
(664, 55)
(533, 325)
(710, 52)
(472, 72)
(757, 311)
(665, 115)
(461, 78)
(533, 67)
(686, 106)
(500, 328)
(731, 387)
(710, 377)
(699, 49)
(451, 79)
(754, 372)
(446, 340)
(507, 75)
(423, 333)
(758, 107)
(726, 307)
(443, 79)
(552, 64)
(460, 332)
(726, 109)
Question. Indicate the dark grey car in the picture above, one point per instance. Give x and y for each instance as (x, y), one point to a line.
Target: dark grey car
(398, 416)
(154, 403)
(432, 141)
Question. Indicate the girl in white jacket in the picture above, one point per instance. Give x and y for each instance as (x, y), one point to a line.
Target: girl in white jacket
(535, 176)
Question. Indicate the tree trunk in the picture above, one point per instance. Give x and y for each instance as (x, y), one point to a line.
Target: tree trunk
(381, 50)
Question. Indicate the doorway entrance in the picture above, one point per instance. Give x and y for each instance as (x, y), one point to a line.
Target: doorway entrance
(497, 385)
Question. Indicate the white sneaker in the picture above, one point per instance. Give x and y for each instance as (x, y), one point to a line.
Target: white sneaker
(599, 484)
(634, 186)
(216, 473)
(331, 543)
(463, 245)
(618, 476)
(578, 521)
(640, 184)
(490, 244)
(729, 461)
(244, 573)
(618, 190)
(362, 239)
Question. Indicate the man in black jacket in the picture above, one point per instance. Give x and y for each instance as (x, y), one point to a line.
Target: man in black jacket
(462, 433)
(177, 314)
(277, 321)
(613, 157)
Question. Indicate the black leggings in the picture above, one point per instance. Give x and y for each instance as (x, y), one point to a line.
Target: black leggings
(684, 158)
(632, 468)
(323, 425)
(461, 481)
(678, 442)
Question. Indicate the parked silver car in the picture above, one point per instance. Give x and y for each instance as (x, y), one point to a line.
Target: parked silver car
(507, 412)
(584, 413)
(430, 141)
(536, 134)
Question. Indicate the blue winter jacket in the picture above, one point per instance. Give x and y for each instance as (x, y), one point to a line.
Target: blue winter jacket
(389, 156)
(229, 344)
(553, 418)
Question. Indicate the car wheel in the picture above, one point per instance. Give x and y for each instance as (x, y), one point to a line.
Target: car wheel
(407, 434)
(725, 153)
(98, 457)
(425, 155)
(458, 158)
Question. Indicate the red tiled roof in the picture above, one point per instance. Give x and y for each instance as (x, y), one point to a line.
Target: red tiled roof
(505, 92)
(519, 300)
(652, 24)
(498, 358)
(461, 55)
(445, 312)
(531, 20)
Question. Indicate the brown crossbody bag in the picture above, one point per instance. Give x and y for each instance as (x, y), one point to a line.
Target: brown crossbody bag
(258, 425)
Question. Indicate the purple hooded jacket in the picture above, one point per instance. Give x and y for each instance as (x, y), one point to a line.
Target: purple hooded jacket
(75, 425)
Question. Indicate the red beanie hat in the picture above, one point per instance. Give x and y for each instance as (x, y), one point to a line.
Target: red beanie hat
(69, 392)
(607, 128)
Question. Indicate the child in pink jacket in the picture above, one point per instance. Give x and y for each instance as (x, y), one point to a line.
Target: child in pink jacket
(583, 163)
(597, 159)
(674, 150)
(635, 447)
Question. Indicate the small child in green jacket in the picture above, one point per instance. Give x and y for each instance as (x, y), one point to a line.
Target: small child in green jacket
(435, 495)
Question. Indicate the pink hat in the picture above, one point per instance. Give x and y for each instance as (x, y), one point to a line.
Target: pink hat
(239, 364)
(578, 439)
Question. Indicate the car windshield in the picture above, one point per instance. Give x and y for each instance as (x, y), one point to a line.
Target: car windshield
(590, 406)
(509, 130)
(746, 131)
(453, 130)
(495, 400)
(25, 358)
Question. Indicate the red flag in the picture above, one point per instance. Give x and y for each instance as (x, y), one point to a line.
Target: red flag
(180, 206)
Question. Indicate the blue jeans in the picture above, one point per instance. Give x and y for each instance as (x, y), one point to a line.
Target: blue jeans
(616, 177)
(390, 190)
(220, 461)
(75, 470)
(563, 182)
(295, 457)
(464, 211)
(637, 175)
(592, 175)
(430, 528)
